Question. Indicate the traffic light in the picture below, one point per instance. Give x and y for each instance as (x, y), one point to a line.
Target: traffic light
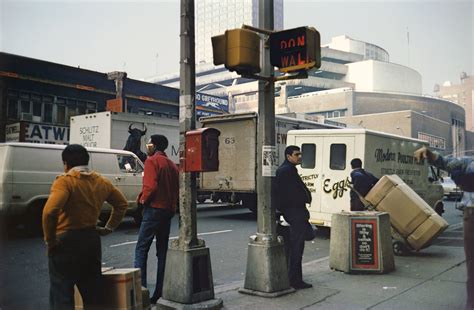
(238, 50)
(295, 49)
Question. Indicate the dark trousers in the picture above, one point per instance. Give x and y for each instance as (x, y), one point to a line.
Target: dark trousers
(296, 249)
(156, 222)
(357, 205)
(76, 260)
(469, 250)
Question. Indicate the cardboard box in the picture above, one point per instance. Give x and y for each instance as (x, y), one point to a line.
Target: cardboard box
(407, 210)
(382, 188)
(427, 232)
(122, 290)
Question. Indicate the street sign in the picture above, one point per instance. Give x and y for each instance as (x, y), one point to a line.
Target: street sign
(295, 49)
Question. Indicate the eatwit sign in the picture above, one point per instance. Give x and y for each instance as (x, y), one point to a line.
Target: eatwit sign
(295, 49)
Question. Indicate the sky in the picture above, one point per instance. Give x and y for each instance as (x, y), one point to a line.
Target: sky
(142, 37)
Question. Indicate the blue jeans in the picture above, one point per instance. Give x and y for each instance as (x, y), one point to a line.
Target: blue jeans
(156, 222)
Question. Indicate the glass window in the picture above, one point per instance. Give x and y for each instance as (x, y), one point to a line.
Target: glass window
(25, 106)
(308, 158)
(61, 115)
(129, 164)
(36, 108)
(13, 108)
(81, 108)
(338, 157)
(48, 113)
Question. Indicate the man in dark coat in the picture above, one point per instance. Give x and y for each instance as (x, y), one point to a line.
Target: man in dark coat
(291, 196)
(362, 181)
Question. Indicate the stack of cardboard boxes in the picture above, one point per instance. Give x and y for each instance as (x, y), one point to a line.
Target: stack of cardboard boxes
(410, 215)
(122, 290)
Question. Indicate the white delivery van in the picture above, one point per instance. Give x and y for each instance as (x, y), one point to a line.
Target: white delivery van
(27, 171)
(326, 169)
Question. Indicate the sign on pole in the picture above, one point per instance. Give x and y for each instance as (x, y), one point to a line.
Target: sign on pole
(295, 49)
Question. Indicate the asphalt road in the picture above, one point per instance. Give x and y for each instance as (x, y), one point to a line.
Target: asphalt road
(24, 282)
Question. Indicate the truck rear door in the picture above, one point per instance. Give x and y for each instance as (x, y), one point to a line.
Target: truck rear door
(325, 170)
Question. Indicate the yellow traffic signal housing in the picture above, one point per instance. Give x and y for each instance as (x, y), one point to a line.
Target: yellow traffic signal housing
(238, 50)
(295, 49)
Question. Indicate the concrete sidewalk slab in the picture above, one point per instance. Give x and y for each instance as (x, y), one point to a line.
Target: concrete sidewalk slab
(433, 278)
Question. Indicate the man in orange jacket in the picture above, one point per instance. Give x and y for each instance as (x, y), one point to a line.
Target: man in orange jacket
(69, 226)
(159, 197)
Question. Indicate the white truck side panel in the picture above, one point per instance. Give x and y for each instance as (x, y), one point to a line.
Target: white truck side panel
(110, 130)
(380, 154)
(238, 153)
(92, 130)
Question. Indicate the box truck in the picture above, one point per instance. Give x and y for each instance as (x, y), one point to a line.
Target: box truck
(325, 167)
(112, 130)
(236, 178)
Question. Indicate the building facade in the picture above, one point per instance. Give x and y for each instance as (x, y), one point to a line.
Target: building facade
(462, 94)
(215, 17)
(45, 95)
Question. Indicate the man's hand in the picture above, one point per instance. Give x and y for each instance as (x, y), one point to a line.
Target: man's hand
(52, 245)
(425, 153)
(103, 231)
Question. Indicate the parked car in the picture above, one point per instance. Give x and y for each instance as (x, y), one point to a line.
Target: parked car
(451, 191)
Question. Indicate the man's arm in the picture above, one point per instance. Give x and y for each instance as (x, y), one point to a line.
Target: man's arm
(56, 201)
(150, 181)
(119, 206)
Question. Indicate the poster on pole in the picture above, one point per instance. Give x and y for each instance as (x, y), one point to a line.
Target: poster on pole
(269, 161)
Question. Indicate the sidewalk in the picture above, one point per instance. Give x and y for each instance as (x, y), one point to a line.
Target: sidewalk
(432, 279)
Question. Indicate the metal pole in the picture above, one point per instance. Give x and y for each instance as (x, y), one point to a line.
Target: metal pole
(265, 132)
(188, 274)
(187, 122)
(266, 273)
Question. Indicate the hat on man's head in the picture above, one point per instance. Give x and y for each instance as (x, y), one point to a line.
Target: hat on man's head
(160, 142)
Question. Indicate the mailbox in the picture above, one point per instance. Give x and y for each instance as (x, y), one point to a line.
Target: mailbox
(202, 150)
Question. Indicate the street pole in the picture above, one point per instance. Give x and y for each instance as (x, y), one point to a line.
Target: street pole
(188, 275)
(266, 273)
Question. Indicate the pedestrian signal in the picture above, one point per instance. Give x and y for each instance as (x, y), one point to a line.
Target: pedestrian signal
(295, 49)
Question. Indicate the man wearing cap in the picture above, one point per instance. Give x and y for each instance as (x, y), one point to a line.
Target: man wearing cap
(159, 197)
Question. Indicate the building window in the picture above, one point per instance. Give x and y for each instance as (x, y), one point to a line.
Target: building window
(61, 114)
(48, 113)
(434, 141)
(13, 108)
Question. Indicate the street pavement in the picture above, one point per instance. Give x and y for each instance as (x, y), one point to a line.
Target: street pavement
(433, 278)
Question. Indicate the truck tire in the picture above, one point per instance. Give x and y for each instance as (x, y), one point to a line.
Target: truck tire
(250, 202)
(34, 225)
(439, 208)
(214, 198)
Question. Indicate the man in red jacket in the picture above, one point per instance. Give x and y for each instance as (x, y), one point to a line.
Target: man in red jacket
(159, 197)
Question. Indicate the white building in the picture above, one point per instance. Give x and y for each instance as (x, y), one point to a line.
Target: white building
(355, 85)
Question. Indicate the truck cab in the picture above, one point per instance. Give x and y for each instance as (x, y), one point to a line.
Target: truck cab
(326, 169)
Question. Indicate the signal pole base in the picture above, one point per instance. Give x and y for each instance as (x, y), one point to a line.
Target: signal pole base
(188, 280)
(212, 304)
(267, 273)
